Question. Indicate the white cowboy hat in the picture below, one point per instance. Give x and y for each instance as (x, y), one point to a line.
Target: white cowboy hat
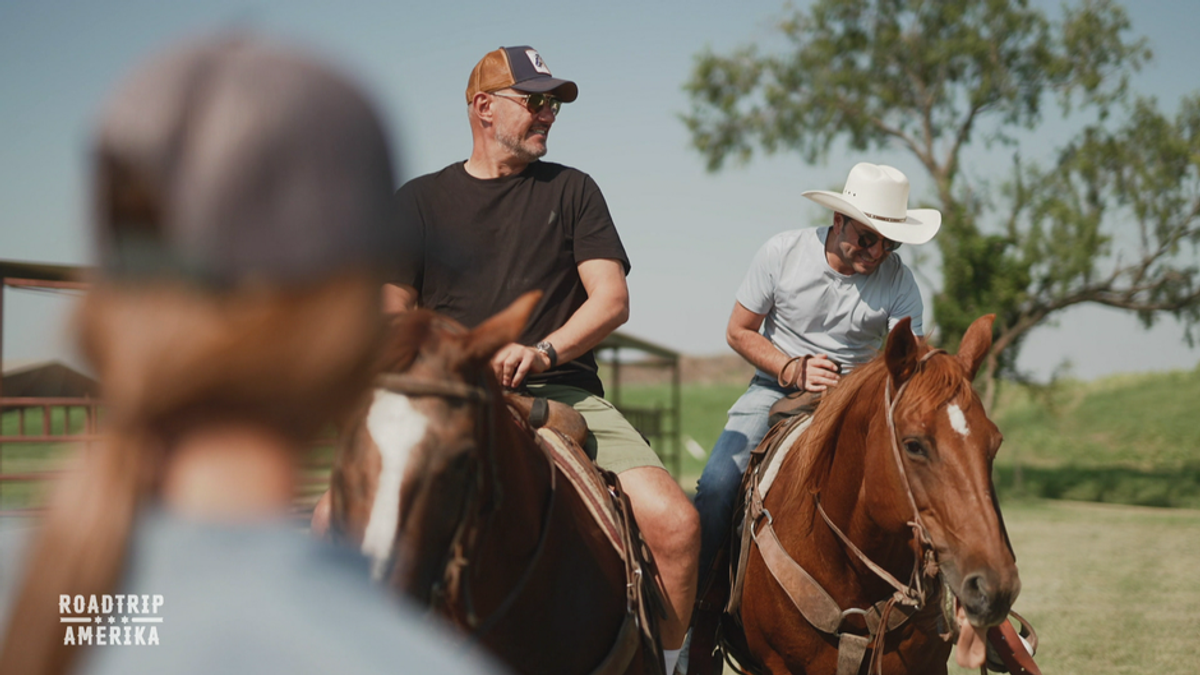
(877, 195)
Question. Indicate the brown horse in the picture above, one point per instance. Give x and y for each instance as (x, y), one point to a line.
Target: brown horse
(459, 507)
(892, 481)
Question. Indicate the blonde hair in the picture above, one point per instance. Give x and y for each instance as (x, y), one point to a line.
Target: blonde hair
(172, 356)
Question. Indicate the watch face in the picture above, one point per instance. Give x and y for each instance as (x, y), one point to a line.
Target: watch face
(548, 349)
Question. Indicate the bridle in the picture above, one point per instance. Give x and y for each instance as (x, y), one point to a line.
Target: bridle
(913, 593)
(807, 596)
(455, 583)
(818, 607)
(925, 563)
(410, 385)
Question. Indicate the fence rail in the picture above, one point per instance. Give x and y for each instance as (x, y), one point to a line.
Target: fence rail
(34, 429)
(31, 430)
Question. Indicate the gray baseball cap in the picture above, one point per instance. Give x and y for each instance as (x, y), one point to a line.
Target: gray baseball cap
(231, 159)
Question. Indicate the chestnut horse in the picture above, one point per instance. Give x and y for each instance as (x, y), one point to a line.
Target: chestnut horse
(460, 508)
(892, 481)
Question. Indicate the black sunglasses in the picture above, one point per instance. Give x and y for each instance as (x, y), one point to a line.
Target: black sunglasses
(534, 103)
(867, 238)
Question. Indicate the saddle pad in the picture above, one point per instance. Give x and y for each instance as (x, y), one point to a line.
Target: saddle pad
(587, 482)
(775, 459)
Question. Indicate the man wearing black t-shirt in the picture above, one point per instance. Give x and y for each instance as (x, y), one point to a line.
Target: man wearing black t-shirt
(485, 231)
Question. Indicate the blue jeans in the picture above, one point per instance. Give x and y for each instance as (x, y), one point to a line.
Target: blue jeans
(716, 491)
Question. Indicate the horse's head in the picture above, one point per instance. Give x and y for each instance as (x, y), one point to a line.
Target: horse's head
(413, 462)
(944, 444)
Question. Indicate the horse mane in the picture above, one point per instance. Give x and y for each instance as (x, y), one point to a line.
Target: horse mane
(936, 382)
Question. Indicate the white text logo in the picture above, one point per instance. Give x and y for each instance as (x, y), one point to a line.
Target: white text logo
(110, 620)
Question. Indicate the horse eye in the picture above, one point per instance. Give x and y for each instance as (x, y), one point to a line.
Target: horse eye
(915, 448)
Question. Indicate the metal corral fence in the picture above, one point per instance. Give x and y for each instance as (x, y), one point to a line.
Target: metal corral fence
(35, 438)
(661, 423)
(39, 435)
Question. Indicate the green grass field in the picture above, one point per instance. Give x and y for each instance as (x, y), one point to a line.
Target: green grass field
(1111, 590)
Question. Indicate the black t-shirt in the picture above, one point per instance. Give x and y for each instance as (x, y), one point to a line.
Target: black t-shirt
(474, 246)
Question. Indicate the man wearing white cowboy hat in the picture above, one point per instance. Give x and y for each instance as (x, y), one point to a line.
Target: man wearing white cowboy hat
(828, 294)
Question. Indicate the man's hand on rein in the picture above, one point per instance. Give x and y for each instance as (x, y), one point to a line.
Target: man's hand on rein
(514, 361)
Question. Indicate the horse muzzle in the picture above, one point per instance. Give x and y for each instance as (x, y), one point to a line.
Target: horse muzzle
(986, 595)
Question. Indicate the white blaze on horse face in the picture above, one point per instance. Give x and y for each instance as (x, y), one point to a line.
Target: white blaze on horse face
(958, 420)
(397, 428)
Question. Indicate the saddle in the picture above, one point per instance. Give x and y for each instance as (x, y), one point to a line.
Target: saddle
(716, 616)
(556, 432)
(540, 412)
(803, 403)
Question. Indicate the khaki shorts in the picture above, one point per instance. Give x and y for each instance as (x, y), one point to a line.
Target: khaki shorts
(614, 442)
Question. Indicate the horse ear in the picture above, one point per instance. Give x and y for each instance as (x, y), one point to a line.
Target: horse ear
(901, 352)
(976, 343)
(488, 337)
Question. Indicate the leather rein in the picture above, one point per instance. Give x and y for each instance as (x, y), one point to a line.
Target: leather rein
(455, 583)
(912, 593)
(815, 603)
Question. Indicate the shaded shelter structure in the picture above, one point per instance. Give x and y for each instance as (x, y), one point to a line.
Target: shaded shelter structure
(45, 403)
(47, 379)
(35, 276)
(660, 423)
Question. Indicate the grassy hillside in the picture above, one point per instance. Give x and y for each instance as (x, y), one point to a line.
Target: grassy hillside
(1130, 439)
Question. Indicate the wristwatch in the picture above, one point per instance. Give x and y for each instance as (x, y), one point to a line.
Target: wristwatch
(548, 349)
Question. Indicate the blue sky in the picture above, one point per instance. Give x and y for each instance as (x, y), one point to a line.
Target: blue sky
(690, 234)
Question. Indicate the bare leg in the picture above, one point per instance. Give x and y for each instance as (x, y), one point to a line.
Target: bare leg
(671, 527)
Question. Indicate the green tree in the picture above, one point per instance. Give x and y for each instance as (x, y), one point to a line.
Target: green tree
(1115, 220)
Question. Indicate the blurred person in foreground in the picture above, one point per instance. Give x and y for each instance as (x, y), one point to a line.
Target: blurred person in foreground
(242, 200)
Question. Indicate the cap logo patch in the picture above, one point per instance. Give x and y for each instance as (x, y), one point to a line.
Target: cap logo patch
(536, 59)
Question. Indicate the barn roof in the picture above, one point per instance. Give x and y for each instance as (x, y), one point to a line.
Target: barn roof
(47, 379)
